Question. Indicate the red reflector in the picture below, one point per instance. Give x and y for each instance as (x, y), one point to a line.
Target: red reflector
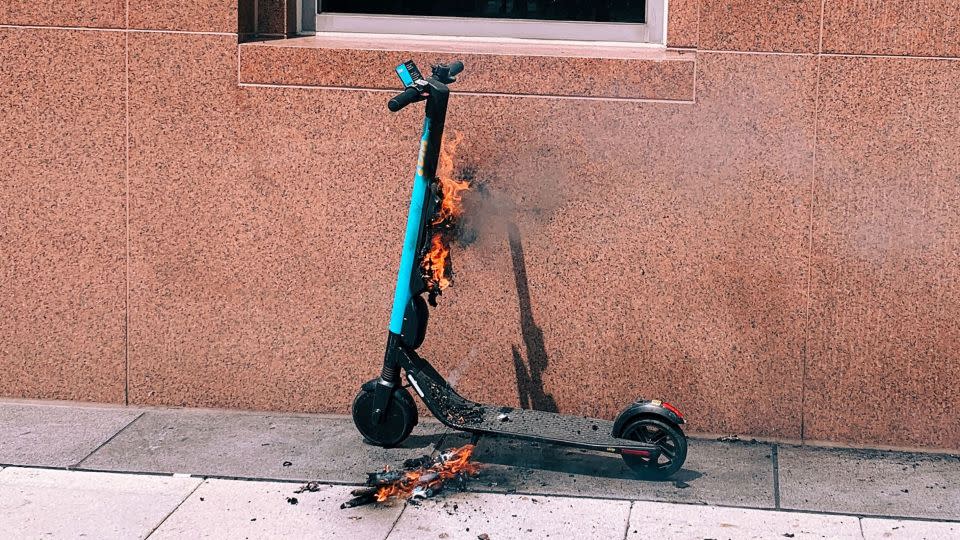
(636, 452)
(672, 409)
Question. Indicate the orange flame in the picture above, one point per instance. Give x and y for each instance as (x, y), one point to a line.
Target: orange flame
(455, 463)
(436, 261)
(451, 203)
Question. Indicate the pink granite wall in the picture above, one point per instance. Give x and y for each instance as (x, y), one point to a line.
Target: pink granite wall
(777, 253)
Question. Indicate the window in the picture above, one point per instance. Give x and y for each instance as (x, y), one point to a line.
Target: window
(633, 21)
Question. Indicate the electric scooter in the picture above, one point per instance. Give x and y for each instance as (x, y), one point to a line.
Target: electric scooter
(646, 433)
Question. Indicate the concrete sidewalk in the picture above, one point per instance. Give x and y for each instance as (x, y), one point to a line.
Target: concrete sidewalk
(111, 472)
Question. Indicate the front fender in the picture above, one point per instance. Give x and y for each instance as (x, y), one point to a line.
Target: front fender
(650, 407)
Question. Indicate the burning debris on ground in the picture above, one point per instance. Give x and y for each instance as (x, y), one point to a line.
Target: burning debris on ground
(420, 478)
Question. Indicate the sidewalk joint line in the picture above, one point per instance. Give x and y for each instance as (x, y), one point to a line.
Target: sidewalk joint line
(394, 524)
(626, 532)
(860, 523)
(775, 458)
(106, 442)
(175, 508)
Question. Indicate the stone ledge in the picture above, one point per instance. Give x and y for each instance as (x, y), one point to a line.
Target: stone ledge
(501, 67)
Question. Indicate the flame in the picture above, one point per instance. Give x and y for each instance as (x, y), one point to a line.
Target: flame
(436, 261)
(451, 203)
(456, 462)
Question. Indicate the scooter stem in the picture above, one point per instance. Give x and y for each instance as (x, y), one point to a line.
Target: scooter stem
(422, 202)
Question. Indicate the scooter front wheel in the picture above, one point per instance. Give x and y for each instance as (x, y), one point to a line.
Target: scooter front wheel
(664, 435)
(397, 422)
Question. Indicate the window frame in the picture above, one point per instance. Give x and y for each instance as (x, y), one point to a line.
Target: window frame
(652, 32)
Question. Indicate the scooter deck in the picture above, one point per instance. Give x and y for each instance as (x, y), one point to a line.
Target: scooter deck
(542, 425)
(462, 414)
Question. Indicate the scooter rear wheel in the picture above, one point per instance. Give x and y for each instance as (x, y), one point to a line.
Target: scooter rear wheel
(667, 437)
(398, 421)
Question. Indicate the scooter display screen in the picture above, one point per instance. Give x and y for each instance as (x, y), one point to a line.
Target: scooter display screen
(408, 73)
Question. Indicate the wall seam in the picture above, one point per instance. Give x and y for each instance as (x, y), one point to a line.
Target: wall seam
(771, 53)
(810, 224)
(118, 30)
(470, 93)
(823, 10)
(126, 174)
(698, 25)
(891, 56)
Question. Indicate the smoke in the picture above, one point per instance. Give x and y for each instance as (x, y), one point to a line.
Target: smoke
(462, 367)
(526, 189)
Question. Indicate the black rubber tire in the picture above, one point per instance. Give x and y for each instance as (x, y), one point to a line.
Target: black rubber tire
(667, 435)
(399, 421)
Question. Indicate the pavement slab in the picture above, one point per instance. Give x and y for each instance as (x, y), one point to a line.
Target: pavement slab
(892, 529)
(499, 516)
(247, 445)
(870, 482)
(683, 522)
(738, 474)
(43, 503)
(244, 509)
(56, 435)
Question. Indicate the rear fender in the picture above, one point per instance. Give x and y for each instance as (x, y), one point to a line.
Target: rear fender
(647, 408)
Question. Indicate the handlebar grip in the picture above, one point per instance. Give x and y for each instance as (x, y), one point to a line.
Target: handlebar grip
(403, 99)
(455, 67)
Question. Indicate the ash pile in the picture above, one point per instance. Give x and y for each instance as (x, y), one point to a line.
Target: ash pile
(419, 478)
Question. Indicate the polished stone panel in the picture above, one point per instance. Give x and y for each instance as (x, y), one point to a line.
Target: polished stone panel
(683, 23)
(184, 15)
(82, 13)
(764, 25)
(276, 17)
(62, 214)
(884, 348)
(245, 211)
(915, 28)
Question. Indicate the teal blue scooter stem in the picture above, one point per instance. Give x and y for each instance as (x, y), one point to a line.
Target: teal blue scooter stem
(408, 317)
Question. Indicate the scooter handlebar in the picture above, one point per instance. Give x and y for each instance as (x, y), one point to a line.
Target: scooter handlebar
(403, 99)
(455, 67)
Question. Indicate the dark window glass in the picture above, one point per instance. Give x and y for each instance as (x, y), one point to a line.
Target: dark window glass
(630, 11)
